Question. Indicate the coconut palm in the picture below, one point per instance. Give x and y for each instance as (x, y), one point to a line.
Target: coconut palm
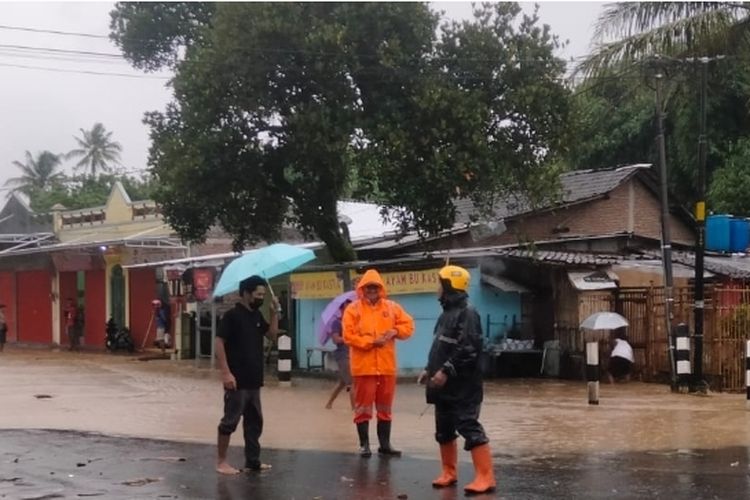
(632, 31)
(37, 174)
(96, 150)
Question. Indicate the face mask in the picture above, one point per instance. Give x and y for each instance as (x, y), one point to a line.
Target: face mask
(256, 303)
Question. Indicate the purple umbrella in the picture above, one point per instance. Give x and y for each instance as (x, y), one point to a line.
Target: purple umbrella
(331, 313)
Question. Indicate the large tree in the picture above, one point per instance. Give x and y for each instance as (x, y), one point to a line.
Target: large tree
(97, 151)
(615, 112)
(278, 105)
(38, 173)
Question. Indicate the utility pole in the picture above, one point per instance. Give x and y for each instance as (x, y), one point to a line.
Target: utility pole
(666, 244)
(700, 243)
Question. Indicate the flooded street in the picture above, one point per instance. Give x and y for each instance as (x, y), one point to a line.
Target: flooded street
(540, 429)
(118, 395)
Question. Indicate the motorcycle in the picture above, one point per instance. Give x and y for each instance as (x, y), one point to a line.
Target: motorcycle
(118, 338)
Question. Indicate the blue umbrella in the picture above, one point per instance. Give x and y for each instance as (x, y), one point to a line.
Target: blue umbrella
(267, 262)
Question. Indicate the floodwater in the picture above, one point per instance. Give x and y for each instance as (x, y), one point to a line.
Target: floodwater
(41, 465)
(154, 426)
(118, 395)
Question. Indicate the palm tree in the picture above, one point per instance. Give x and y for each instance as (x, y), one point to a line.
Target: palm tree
(632, 31)
(96, 150)
(37, 174)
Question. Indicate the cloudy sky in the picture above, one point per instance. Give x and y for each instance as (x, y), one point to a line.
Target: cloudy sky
(44, 108)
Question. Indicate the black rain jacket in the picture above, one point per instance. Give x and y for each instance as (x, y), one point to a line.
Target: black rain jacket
(456, 349)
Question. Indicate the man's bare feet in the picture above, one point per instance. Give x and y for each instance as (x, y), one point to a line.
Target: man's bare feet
(225, 468)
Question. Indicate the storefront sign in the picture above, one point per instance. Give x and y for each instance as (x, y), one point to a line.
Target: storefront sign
(203, 283)
(326, 285)
(408, 282)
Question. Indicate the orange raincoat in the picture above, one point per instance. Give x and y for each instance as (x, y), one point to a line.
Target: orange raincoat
(363, 323)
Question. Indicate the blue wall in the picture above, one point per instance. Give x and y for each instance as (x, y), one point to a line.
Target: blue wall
(425, 309)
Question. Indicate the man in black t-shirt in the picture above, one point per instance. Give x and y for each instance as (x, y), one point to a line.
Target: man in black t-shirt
(239, 350)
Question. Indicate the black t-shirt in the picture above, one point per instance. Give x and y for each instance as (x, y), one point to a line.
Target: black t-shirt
(242, 330)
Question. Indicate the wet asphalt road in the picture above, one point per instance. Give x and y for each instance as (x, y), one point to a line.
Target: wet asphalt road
(58, 464)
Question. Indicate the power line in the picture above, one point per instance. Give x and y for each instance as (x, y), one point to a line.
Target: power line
(61, 51)
(56, 57)
(267, 50)
(51, 32)
(84, 72)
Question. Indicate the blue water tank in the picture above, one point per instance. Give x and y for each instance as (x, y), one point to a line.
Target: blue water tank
(739, 235)
(718, 233)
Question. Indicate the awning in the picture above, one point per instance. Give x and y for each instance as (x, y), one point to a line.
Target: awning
(210, 260)
(503, 284)
(593, 280)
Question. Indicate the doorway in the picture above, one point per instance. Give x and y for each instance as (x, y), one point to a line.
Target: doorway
(117, 295)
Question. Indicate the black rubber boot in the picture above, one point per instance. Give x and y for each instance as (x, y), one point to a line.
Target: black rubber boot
(384, 436)
(363, 429)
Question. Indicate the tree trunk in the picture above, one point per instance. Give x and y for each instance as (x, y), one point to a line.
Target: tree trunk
(338, 245)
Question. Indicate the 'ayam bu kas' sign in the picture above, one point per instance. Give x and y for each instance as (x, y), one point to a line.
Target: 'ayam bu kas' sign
(406, 282)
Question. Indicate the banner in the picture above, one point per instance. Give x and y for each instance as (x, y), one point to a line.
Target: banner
(324, 285)
(203, 283)
(408, 282)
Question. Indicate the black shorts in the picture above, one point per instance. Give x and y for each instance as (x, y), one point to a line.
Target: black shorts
(619, 367)
(3, 335)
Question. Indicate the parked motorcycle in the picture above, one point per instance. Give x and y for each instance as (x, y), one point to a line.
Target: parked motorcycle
(118, 338)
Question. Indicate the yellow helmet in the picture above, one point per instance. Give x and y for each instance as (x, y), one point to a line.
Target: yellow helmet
(458, 277)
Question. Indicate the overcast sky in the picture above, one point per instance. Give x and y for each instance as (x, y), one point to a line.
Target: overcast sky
(42, 109)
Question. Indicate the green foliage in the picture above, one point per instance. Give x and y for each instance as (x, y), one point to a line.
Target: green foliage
(615, 112)
(614, 122)
(84, 191)
(37, 173)
(151, 34)
(731, 183)
(629, 32)
(97, 151)
(281, 109)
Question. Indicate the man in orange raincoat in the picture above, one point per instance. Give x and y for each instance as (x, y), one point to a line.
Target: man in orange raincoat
(371, 326)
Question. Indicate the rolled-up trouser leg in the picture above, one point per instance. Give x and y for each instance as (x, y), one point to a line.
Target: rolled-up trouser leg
(467, 424)
(445, 424)
(234, 407)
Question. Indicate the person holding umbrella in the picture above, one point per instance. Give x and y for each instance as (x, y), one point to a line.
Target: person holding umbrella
(454, 383)
(239, 350)
(372, 323)
(341, 355)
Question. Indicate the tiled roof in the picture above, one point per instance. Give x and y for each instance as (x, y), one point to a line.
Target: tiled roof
(555, 257)
(731, 266)
(576, 186)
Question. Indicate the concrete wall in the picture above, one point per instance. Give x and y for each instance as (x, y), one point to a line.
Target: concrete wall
(425, 309)
(119, 222)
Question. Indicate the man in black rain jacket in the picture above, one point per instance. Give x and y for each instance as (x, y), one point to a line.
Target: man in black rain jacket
(454, 383)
